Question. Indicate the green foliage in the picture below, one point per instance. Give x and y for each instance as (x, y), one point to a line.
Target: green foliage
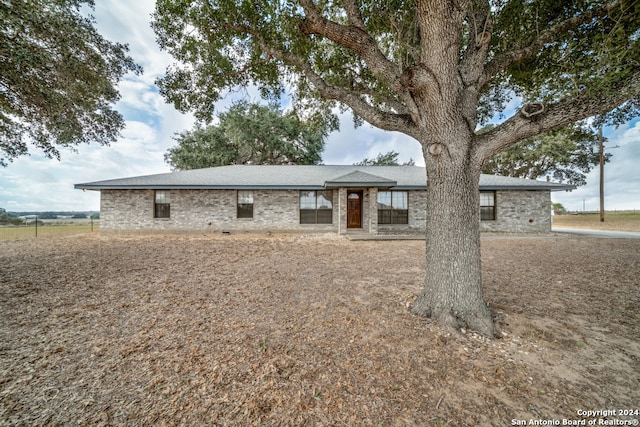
(6, 219)
(543, 50)
(566, 155)
(252, 134)
(599, 55)
(558, 208)
(387, 159)
(58, 78)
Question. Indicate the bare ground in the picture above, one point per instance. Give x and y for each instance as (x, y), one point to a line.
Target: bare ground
(621, 221)
(308, 330)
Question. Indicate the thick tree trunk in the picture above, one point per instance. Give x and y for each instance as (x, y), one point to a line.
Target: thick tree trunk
(452, 291)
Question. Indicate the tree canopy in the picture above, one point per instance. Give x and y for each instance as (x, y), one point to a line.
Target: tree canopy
(566, 155)
(436, 70)
(58, 78)
(566, 59)
(251, 134)
(385, 159)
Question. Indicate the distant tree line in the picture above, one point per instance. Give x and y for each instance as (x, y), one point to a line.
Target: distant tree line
(7, 219)
(15, 216)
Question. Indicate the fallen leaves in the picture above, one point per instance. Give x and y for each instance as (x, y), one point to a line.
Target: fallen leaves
(306, 330)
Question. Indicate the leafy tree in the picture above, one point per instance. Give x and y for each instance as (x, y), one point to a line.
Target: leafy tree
(387, 159)
(432, 69)
(252, 134)
(558, 208)
(7, 219)
(58, 78)
(566, 154)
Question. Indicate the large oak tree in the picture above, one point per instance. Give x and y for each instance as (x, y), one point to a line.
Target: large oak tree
(252, 134)
(435, 70)
(58, 78)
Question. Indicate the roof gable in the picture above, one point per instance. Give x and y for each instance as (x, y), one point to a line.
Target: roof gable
(359, 179)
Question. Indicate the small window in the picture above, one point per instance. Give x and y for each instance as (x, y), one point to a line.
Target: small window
(245, 204)
(316, 207)
(393, 207)
(162, 206)
(487, 205)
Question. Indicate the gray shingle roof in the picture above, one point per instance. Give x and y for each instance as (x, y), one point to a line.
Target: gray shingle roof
(304, 178)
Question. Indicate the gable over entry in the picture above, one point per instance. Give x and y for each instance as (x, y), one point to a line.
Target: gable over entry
(360, 179)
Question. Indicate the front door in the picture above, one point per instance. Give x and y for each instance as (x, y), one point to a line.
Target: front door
(354, 209)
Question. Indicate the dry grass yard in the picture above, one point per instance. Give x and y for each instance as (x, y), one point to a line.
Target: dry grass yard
(296, 330)
(617, 221)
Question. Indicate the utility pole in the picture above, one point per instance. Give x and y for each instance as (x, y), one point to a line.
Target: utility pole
(601, 174)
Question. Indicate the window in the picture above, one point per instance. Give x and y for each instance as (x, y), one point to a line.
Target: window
(393, 207)
(245, 204)
(316, 207)
(487, 205)
(162, 204)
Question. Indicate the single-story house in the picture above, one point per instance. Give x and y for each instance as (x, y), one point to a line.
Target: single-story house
(340, 199)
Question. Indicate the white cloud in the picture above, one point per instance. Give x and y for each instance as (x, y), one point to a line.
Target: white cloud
(621, 175)
(350, 145)
(36, 183)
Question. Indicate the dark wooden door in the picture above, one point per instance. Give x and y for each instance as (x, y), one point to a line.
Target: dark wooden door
(354, 209)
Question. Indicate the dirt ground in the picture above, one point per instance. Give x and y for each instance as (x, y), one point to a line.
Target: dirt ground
(291, 330)
(616, 221)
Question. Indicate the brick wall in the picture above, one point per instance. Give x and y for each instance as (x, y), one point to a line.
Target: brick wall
(516, 211)
(205, 210)
(278, 210)
(521, 211)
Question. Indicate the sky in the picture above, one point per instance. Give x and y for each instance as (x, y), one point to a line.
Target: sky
(36, 183)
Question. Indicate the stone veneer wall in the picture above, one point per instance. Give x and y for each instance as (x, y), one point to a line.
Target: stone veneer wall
(278, 210)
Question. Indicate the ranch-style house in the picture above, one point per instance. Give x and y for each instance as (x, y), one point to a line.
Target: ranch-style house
(375, 200)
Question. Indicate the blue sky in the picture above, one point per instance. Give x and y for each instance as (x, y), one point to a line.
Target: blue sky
(35, 183)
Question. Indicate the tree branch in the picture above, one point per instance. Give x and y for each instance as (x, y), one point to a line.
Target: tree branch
(351, 37)
(472, 63)
(555, 115)
(504, 60)
(375, 116)
(353, 13)
(475, 55)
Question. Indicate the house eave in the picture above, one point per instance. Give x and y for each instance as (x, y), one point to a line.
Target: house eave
(333, 185)
(196, 187)
(527, 188)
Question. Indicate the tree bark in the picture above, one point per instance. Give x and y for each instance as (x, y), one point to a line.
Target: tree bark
(452, 293)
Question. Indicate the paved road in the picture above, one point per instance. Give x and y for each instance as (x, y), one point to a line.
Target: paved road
(599, 233)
